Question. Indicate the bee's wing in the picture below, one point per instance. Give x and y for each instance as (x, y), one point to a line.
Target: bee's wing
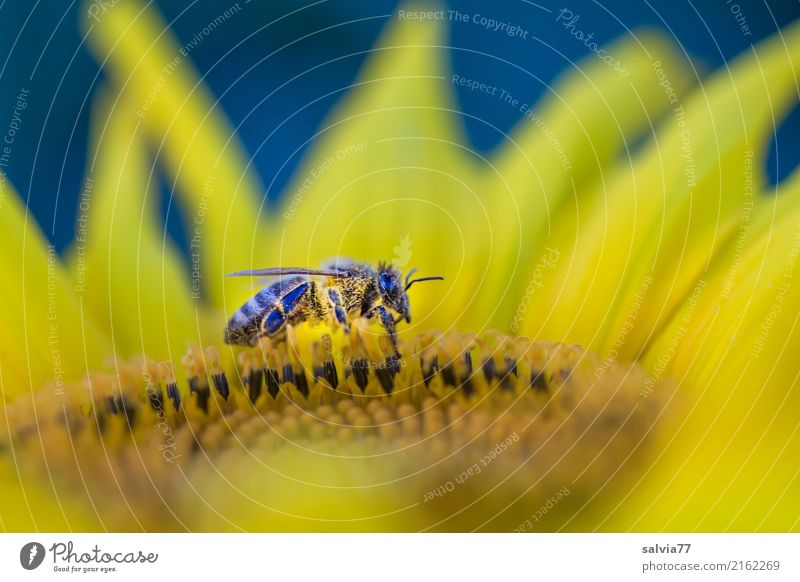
(282, 271)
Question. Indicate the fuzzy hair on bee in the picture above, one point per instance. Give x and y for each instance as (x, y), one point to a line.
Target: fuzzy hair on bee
(337, 293)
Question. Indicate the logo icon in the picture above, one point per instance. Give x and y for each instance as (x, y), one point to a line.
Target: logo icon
(402, 252)
(31, 555)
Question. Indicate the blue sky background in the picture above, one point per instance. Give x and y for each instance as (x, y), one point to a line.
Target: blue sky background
(41, 50)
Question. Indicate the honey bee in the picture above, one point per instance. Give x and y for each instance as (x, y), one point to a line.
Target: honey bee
(338, 292)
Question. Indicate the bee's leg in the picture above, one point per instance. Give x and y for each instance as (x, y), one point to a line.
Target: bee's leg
(338, 311)
(388, 323)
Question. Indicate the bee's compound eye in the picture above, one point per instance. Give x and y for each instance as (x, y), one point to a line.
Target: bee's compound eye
(389, 285)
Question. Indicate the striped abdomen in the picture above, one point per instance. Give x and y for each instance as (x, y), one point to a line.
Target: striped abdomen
(266, 312)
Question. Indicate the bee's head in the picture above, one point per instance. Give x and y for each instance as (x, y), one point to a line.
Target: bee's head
(390, 285)
(393, 289)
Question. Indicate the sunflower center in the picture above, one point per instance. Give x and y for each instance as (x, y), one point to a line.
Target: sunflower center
(443, 406)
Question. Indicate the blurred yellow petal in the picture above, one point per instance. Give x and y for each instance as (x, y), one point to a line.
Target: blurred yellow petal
(31, 500)
(669, 212)
(27, 504)
(220, 195)
(134, 282)
(540, 178)
(732, 461)
(44, 334)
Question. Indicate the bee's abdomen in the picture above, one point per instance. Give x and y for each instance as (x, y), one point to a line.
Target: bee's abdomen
(262, 313)
(243, 326)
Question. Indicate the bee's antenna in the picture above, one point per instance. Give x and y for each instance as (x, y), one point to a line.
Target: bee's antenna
(411, 272)
(410, 283)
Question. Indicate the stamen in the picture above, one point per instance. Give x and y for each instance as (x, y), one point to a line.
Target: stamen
(217, 373)
(385, 377)
(538, 381)
(488, 369)
(112, 404)
(288, 373)
(428, 357)
(329, 373)
(273, 385)
(196, 377)
(301, 382)
(324, 354)
(167, 374)
(360, 369)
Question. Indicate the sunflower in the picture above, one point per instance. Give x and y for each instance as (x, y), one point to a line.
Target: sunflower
(612, 348)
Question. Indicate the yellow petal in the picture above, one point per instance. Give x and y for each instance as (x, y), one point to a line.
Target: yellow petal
(44, 334)
(668, 213)
(731, 463)
(132, 278)
(219, 194)
(27, 504)
(539, 182)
